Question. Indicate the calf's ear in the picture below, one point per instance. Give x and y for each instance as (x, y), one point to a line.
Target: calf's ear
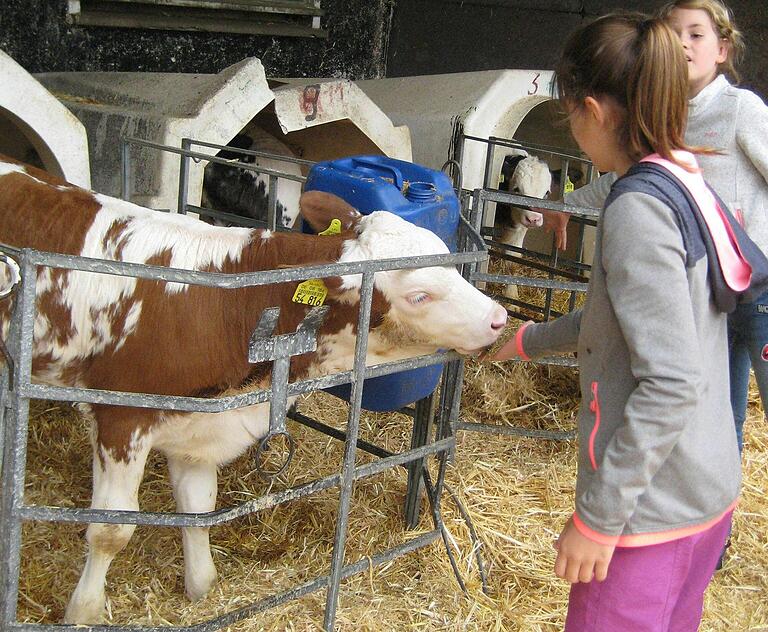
(319, 208)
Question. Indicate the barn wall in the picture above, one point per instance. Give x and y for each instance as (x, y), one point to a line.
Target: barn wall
(438, 36)
(367, 39)
(36, 34)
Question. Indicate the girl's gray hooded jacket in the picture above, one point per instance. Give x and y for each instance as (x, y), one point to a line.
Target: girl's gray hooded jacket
(657, 444)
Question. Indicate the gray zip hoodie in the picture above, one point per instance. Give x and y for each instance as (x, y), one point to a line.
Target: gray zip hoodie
(657, 444)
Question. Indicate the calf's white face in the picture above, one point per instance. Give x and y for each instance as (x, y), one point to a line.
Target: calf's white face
(533, 178)
(431, 307)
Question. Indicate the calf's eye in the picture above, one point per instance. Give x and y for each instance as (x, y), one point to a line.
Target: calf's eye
(418, 297)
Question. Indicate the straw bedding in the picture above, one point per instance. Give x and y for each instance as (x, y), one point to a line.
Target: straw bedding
(517, 491)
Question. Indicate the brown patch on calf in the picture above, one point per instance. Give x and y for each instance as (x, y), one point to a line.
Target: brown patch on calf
(117, 426)
(115, 235)
(53, 215)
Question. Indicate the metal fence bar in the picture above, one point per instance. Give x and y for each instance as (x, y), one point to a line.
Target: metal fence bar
(227, 514)
(220, 404)
(125, 171)
(16, 443)
(218, 623)
(20, 512)
(196, 155)
(238, 150)
(350, 448)
(516, 431)
(183, 176)
(476, 212)
(245, 279)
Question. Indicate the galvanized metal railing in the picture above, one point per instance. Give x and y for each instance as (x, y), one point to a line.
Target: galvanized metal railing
(572, 271)
(17, 394)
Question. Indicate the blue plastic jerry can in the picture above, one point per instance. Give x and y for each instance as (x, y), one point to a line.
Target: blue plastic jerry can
(420, 195)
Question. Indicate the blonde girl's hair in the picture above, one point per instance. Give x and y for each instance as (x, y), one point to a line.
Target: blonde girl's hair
(638, 62)
(725, 28)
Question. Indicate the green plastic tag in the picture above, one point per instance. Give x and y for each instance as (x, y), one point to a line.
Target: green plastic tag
(333, 229)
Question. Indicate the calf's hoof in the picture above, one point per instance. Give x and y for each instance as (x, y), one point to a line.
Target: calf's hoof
(199, 586)
(84, 611)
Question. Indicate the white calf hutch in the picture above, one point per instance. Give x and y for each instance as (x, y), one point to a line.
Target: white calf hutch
(36, 128)
(316, 120)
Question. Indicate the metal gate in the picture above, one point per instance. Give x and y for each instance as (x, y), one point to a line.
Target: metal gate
(563, 274)
(18, 389)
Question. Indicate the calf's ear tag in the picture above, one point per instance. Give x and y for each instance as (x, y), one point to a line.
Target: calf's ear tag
(333, 229)
(568, 185)
(311, 292)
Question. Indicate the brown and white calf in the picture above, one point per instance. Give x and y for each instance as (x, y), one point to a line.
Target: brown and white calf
(137, 335)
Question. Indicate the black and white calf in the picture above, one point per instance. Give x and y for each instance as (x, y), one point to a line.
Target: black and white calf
(245, 193)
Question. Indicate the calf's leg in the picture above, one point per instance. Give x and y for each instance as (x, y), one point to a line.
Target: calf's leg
(513, 237)
(115, 486)
(194, 487)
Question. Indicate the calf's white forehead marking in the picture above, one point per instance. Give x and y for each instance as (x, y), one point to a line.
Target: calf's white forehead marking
(532, 177)
(383, 235)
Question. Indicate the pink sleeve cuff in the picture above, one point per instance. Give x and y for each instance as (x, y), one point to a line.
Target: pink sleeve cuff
(600, 538)
(519, 342)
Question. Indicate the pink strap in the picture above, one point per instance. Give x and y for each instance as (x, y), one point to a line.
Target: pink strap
(736, 269)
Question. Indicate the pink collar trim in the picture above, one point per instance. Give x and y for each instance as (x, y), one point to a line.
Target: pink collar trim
(736, 269)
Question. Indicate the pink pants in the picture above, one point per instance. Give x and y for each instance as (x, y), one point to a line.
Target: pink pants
(658, 588)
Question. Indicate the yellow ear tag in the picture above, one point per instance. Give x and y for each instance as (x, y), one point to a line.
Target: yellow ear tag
(311, 292)
(333, 229)
(568, 185)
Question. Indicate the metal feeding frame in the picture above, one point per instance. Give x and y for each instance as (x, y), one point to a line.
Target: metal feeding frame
(17, 389)
(423, 412)
(571, 273)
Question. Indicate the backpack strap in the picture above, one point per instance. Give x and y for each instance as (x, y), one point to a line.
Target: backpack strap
(736, 270)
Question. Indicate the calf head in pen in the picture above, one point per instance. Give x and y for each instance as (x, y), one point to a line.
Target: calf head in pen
(521, 174)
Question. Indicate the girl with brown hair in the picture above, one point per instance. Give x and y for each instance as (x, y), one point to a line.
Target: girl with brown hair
(658, 469)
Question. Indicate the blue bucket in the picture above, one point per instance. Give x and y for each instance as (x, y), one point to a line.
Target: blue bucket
(420, 195)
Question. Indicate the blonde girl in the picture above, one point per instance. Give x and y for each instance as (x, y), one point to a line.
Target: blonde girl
(735, 122)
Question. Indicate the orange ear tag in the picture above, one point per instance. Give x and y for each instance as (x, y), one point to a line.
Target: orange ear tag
(333, 229)
(311, 292)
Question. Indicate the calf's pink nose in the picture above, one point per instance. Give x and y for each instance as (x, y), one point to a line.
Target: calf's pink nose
(498, 318)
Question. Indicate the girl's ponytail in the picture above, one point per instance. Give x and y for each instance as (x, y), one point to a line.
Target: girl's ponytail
(656, 92)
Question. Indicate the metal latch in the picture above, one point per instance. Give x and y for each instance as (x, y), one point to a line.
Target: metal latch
(263, 347)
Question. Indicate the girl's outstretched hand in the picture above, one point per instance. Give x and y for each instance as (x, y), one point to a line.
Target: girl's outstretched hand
(580, 559)
(557, 223)
(505, 348)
